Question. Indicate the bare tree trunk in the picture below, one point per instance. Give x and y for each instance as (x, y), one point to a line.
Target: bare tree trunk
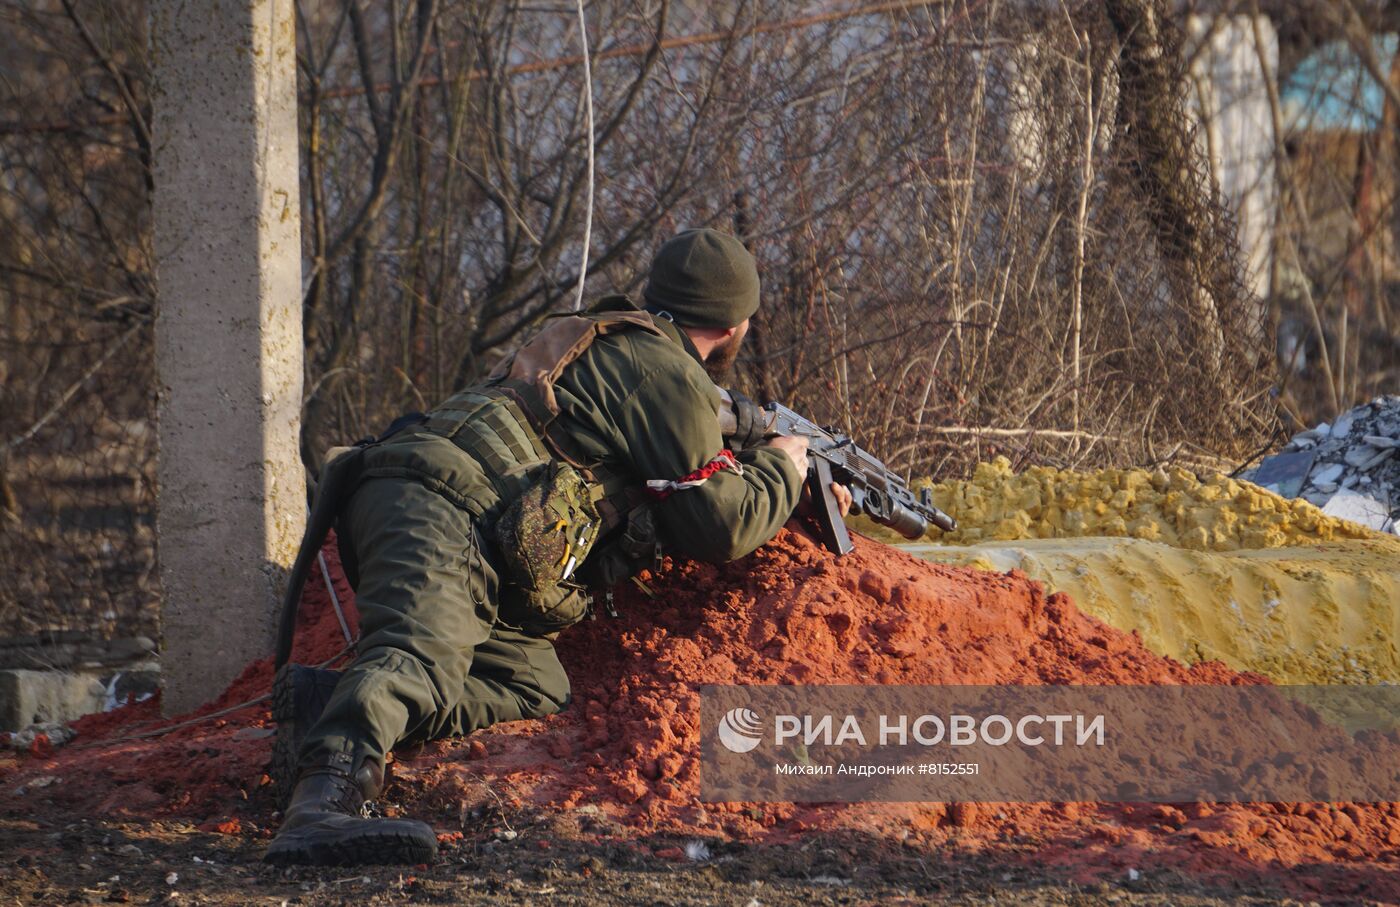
(1151, 117)
(1389, 154)
(1363, 206)
(9, 502)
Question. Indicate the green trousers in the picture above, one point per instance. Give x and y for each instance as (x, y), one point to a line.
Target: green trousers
(435, 657)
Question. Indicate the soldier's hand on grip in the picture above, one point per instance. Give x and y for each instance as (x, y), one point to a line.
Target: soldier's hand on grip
(795, 448)
(843, 497)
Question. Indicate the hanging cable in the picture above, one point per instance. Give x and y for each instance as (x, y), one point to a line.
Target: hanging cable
(588, 113)
(330, 587)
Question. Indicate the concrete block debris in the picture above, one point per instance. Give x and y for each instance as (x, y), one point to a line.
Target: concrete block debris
(36, 697)
(1353, 470)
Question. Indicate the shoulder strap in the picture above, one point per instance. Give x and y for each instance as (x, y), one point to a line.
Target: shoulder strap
(528, 378)
(539, 363)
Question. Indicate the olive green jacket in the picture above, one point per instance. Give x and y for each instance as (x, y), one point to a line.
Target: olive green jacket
(644, 406)
(641, 405)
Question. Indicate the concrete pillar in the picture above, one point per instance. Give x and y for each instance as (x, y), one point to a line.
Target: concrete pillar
(228, 332)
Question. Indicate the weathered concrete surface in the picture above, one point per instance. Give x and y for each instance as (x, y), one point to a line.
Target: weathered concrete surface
(32, 697)
(42, 696)
(228, 334)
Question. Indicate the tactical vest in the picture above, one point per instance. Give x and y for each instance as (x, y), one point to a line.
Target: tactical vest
(509, 424)
(507, 428)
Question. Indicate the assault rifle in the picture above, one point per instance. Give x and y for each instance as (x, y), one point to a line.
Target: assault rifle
(834, 457)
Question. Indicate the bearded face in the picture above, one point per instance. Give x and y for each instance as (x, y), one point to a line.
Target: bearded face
(723, 356)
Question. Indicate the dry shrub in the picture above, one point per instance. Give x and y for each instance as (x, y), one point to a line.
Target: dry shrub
(981, 228)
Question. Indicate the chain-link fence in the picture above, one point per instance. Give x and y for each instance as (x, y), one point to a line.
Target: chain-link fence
(983, 228)
(77, 378)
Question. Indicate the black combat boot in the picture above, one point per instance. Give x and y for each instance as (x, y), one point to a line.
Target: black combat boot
(324, 825)
(299, 696)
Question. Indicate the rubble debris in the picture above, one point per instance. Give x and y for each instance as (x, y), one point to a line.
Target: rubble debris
(1347, 504)
(35, 697)
(48, 734)
(37, 783)
(1354, 470)
(1285, 473)
(64, 674)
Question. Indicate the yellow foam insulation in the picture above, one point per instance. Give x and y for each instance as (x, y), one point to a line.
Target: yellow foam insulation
(1171, 506)
(1325, 613)
(1203, 569)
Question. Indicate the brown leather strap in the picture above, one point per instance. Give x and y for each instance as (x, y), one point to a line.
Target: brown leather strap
(540, 362)
(528, 377)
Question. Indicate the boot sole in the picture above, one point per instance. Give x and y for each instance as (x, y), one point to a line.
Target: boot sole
(284, 745)
(294, 719)
(364, 848)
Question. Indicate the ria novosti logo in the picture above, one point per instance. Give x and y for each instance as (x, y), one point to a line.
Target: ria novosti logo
(740, 730)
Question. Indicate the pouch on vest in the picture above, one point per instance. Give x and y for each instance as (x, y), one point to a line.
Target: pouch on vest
(629, 552)
(544, 536)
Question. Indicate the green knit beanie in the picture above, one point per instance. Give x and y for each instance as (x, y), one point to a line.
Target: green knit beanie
(703, 279)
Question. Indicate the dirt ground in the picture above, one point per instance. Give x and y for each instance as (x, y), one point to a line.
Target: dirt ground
(601, 804)
(104, 862)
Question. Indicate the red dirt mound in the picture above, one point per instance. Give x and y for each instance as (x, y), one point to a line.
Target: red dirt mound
(790, 613)
(204, 766)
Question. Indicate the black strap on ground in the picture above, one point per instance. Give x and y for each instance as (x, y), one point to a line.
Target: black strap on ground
(337, 478)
